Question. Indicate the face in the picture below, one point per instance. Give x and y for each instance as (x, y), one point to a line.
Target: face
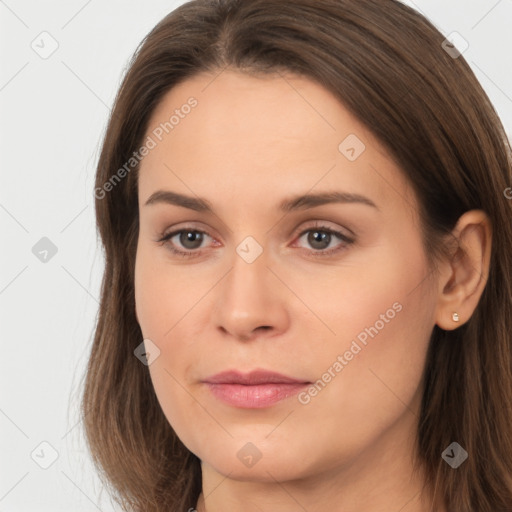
(330, 290)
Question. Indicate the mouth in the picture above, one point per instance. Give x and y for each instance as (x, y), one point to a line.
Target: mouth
(254, 390)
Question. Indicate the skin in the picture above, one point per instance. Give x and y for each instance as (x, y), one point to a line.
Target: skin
(250, 143)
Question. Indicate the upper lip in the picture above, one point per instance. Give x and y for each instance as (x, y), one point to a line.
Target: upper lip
(254, 377)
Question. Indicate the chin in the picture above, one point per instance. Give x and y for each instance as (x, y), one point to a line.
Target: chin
(256, 461)
(269, 470)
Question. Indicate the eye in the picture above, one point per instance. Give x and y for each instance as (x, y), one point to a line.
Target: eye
(321, 237)
(189, 239)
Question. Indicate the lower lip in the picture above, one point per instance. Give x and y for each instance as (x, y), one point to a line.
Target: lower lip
(256, 396)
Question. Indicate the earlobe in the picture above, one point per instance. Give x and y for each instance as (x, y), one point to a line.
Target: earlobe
(462, 279)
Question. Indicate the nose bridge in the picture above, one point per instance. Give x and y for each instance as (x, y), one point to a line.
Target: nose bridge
(247, 282)
(249, 298)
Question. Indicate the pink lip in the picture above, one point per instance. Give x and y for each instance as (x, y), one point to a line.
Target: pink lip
(257, 389)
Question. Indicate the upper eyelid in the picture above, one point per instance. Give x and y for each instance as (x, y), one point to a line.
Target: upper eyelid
(318, 224)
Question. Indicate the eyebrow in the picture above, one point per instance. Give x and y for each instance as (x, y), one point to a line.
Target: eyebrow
(301, 202)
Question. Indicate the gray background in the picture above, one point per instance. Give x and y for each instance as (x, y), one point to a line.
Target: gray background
(53, 114)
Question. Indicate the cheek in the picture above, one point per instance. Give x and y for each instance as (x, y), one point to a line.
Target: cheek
(376, 389)
(383, 327)
(162, 302)
(146, 292)
(163, 294)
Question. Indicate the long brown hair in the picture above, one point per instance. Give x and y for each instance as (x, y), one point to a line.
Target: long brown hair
(387, 65)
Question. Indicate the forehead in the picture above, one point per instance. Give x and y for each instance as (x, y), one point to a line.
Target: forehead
(271, 135)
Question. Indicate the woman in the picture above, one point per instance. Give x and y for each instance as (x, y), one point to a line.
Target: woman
(307, 287)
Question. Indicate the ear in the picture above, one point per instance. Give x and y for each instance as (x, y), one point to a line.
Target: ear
(462, 278)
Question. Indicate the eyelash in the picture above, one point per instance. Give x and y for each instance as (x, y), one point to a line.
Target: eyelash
(165, 238)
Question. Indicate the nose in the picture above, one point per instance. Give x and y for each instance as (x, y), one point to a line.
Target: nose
(251, 301)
